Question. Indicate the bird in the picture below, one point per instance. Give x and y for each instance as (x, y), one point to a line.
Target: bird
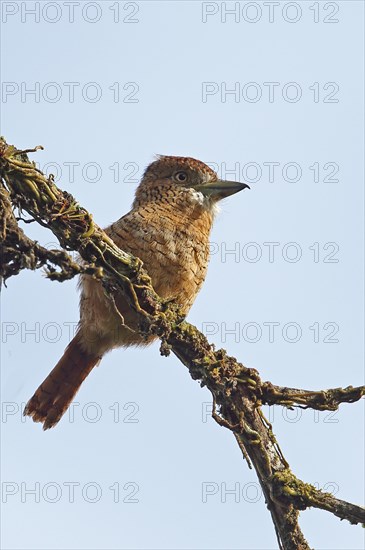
(168, 228)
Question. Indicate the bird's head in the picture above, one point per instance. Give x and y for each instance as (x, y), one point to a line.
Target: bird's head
(186, 176)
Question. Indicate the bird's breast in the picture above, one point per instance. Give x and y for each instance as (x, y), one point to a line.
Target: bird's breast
(173, 245)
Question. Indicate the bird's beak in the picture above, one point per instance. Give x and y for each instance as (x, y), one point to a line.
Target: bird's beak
(220, 189)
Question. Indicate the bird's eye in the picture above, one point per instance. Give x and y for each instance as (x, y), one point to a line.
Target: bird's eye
(181, 176)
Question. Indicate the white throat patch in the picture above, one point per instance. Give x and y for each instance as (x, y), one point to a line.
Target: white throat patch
(198, 198)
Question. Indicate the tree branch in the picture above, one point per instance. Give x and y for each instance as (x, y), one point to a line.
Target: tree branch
(20, 252)
(321, 400)
(304, 495)
(237, 391)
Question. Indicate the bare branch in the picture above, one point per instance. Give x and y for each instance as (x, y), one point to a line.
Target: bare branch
(321, 400)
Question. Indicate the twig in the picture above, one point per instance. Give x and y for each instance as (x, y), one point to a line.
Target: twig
(322, 400)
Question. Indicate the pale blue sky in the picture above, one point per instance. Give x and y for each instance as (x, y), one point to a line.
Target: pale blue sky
(177, 466)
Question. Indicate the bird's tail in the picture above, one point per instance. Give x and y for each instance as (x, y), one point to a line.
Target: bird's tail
(54, 395)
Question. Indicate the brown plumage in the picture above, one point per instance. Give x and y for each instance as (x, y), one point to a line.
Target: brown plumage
(168, 229)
